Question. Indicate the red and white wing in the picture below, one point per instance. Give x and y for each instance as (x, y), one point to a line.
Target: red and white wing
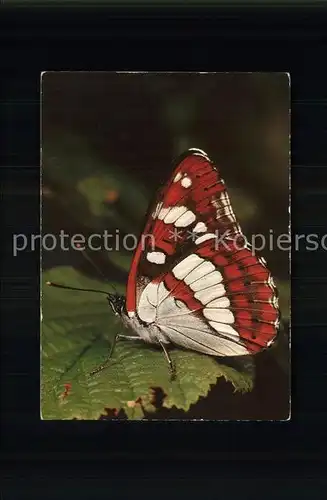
(192, 274)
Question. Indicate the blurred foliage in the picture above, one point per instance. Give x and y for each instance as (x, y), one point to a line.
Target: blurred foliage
(108, 142)
(90, 189)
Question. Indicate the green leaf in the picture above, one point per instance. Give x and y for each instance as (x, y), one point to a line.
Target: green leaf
(77, 331)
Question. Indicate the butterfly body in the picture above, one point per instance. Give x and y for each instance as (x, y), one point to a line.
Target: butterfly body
(194, 281)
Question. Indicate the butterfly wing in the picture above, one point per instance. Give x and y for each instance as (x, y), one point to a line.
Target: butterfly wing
(192, 274)
(190, 195)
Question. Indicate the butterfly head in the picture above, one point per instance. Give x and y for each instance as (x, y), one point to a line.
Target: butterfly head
(117, 303)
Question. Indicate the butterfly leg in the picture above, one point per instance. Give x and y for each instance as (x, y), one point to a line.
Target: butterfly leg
(169, 360)
(117, 337)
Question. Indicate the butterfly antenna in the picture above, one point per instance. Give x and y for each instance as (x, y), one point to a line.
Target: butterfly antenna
(88, 258)
(66, 287)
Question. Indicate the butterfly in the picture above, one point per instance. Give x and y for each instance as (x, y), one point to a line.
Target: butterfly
(194, 281)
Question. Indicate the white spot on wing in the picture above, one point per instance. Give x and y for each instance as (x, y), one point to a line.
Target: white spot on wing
(275, 302)
(226, 330)
(156, 257)
(157, 210)
(207, 281)
(205, 237)
(177, 177)
(174, 213)
(186, 182)
(200, 228)
(186, 266)
(219, 315)
(207, 295)
(222, 302)
(202, 270)
(163, 212)
(186, 219)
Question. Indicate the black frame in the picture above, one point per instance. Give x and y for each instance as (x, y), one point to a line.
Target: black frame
(207, 39)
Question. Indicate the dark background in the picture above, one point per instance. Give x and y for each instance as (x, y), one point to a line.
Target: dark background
(137, 123)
